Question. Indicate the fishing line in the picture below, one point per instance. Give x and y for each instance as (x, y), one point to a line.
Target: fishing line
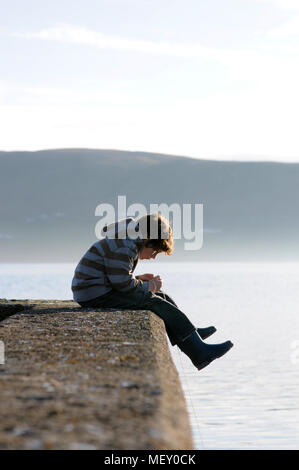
(188, 390)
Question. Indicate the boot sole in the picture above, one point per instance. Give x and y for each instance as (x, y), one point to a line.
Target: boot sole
(204, 364)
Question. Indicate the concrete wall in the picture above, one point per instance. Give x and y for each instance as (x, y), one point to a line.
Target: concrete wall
(78, 378)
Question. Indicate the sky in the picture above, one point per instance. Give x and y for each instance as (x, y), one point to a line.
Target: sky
(201, 78)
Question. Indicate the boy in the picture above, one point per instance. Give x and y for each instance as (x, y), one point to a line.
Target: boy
(104, 278)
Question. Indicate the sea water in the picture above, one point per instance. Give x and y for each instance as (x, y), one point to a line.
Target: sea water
(248, 399)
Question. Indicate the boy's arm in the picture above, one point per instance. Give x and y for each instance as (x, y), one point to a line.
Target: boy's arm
(119, 266)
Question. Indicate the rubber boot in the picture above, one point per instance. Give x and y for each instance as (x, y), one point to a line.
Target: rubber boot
(206, 332)
(200, 353)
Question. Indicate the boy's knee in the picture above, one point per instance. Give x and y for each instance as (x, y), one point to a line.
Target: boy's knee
(166, 297)
(151, 298)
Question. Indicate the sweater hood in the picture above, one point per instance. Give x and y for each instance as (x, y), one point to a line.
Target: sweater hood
(122, 229)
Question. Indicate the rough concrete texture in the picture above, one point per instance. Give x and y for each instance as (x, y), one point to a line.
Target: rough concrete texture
(78, 378)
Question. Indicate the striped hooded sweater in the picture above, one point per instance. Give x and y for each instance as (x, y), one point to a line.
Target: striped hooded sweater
(109, 265)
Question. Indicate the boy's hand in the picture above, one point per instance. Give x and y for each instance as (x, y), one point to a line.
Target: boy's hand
(145, 277)
(155, 284)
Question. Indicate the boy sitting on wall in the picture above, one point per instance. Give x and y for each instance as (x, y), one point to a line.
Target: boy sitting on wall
(105, 278)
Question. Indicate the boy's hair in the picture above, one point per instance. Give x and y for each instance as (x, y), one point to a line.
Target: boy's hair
(156, 233)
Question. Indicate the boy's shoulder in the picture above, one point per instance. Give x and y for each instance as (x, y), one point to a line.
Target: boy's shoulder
(129, 243)
(125, 246)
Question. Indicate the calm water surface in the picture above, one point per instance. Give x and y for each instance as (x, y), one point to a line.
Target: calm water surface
(249, 398)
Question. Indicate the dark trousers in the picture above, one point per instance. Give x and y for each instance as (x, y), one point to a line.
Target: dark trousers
(177, 325)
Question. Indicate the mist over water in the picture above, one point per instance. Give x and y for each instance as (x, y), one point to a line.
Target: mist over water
(249, 208)
(247, 399)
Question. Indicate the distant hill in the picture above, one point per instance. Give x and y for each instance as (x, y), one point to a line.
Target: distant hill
(48, 199)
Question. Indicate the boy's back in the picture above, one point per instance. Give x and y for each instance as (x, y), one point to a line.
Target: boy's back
(108, 264)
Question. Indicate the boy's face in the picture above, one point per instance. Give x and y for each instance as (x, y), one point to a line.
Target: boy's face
(148, 253)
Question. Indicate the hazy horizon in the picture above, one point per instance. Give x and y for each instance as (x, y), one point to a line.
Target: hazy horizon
(215, 158)
(249, 208)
